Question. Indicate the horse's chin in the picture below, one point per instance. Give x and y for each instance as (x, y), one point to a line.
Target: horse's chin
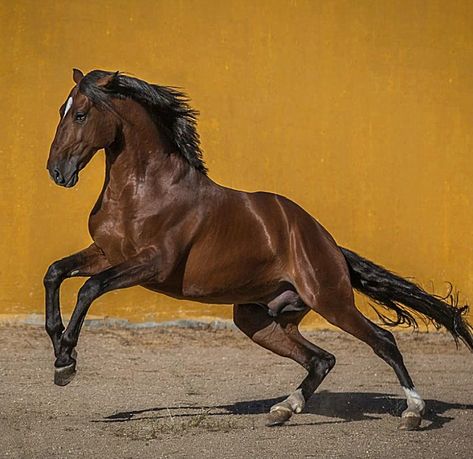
(72, 181)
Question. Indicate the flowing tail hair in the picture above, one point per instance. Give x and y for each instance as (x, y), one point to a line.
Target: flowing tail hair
(399, 295)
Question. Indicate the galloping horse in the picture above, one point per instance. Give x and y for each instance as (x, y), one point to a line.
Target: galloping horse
(162, 223)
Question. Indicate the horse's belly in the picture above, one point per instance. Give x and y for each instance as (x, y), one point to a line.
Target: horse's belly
(244, 281)
(201, 293)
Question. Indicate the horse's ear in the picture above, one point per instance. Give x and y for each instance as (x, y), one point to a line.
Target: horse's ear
(106, 80)
(77, 75)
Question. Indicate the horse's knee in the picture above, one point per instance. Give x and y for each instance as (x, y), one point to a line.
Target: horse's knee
(54, 275)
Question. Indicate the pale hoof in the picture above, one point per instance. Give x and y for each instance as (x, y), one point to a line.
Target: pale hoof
(64, 375)
(278, 416)
(410, 420)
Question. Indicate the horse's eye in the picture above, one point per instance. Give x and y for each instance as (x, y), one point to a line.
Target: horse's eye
(80, 117)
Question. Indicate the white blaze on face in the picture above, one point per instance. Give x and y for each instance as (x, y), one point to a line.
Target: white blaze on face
(68, 106)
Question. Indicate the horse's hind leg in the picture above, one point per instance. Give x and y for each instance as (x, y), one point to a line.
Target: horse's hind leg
(281, 335)
(344, 315)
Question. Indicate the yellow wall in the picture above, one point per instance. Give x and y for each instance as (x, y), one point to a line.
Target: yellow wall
(361, 111)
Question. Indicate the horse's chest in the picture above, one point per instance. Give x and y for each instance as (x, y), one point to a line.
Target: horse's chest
(110, 232)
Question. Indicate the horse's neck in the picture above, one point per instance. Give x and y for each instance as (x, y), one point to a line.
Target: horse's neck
(141, 156)
(142, 159)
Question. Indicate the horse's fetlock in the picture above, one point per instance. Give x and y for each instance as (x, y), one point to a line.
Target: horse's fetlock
(68, 341)
(63, 360)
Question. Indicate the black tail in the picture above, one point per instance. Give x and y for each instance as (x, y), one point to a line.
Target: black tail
(399, 295)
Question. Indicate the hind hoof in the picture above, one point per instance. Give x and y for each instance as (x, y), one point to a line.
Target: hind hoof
(410, 421)
(64, 375)
(278, 416)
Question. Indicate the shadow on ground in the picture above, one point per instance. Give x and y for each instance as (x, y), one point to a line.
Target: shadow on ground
(345, 406)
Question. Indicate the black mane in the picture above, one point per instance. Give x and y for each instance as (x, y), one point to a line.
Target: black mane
(169, 108)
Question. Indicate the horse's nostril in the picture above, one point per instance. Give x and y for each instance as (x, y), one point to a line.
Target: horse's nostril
(58, 176)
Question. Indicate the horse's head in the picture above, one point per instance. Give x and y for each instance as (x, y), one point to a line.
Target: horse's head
(85, 127)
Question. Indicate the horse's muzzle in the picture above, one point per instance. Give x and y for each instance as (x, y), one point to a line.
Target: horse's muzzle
(66, 178)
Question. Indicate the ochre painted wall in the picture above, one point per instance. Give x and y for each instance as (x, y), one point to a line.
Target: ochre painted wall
(361, 111)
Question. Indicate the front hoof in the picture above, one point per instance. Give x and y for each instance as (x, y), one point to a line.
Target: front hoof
(278, 416)
(410, 420)
(64, 375)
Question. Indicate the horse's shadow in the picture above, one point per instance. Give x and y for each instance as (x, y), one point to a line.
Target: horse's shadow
(344, 406)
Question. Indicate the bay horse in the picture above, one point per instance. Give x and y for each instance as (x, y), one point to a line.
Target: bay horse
(162, 223)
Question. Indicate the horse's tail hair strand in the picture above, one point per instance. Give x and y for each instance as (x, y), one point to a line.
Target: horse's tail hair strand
(402, 296)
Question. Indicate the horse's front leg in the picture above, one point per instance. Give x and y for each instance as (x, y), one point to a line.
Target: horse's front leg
(84, 263)
(127, 274)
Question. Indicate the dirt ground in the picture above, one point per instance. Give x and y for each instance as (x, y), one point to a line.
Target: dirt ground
(204, 393)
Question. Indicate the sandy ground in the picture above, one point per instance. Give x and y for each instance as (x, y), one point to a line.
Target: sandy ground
(204, 393)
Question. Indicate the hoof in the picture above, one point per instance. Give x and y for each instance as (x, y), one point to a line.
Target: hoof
(278, 416)
(64, 375)
(410, 420)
